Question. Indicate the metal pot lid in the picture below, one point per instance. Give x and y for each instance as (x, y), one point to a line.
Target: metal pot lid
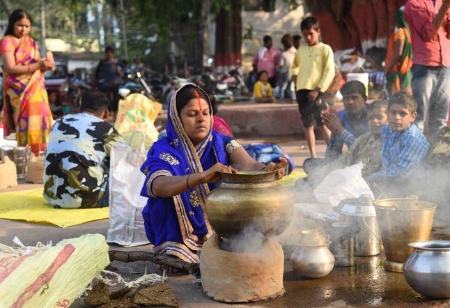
(361, 206)
(356, 210)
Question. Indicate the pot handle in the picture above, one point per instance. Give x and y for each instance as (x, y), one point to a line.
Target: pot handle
(370, 230)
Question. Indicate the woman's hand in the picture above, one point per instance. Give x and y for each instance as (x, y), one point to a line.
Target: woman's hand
(280, 167)
(212, 174)
(45, 64)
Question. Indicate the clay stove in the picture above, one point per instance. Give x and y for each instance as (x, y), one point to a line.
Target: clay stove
(235, 269)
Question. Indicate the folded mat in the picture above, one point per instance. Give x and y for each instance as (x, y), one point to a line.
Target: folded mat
(30, 205)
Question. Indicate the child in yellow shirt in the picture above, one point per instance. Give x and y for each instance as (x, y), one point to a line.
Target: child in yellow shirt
(262, 91)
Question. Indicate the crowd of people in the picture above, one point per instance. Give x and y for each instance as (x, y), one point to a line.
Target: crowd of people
(391, 136)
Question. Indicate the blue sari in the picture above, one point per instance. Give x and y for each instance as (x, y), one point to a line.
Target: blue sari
(178, 225)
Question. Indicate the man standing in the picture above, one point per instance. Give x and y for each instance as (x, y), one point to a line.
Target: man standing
(429, 21)
(267, 59)
(108, 77)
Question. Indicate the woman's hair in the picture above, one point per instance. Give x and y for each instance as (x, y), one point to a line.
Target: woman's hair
(405, 100)
(15, 17)
(354, 86)
(187, 93)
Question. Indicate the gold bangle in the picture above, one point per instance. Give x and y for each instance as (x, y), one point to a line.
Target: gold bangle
(187, 181)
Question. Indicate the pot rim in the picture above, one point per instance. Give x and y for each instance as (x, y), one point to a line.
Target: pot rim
(377, 205)
(433, 245)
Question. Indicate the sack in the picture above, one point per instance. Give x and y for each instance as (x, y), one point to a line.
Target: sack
(126, 224)
(35, 169)
(50, 276)
(138, 113)
(8, 172)
(342, 184)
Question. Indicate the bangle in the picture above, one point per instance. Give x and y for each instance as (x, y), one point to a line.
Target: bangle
(187, 181)
(204, 179)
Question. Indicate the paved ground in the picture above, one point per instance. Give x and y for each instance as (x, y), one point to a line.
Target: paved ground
(365, 284)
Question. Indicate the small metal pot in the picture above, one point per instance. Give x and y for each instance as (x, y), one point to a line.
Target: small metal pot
(427, 270)
(312, 261)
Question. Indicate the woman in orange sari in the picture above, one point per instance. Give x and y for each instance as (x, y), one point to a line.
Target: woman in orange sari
(398, 61)
(26, 109)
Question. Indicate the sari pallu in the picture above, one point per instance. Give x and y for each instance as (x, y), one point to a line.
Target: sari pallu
(26, 108)
(178, 225)
(399, 78)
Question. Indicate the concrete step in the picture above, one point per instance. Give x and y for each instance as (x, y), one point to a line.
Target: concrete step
(269, 119)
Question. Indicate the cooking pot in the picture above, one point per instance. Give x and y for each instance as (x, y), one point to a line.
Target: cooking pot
(253, 199)
(360, 214)
(427, 269)
(402, 221)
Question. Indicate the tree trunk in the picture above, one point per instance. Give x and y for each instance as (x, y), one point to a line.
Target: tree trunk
(229, 36)
(7, 7)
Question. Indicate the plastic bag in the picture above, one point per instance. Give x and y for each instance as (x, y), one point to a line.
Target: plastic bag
(126, 224)
(50, 276)
(342, 184)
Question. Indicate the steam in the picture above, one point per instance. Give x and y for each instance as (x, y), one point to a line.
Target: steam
(249, 240)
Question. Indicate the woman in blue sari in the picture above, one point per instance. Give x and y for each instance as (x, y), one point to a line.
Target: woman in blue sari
(181, 169)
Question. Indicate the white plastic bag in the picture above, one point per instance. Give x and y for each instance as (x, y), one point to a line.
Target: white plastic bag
(126, 225)
(342, 184)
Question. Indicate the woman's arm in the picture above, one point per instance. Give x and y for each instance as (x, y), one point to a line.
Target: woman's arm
(169, 186)
(241, 160)
(10, 66)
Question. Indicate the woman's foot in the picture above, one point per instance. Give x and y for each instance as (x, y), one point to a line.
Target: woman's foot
(173, 265)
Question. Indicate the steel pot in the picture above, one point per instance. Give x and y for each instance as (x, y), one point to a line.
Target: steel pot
(402, 221)
(427, 270)
(312, 261)
(250, 200)
(360, 214)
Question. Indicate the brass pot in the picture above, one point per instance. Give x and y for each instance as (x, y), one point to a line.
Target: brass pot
(402, 221)
(243, 202)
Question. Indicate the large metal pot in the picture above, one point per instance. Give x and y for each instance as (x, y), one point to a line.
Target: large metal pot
(402, 221)
(427, 270)
(250, 200)
(360, 214)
